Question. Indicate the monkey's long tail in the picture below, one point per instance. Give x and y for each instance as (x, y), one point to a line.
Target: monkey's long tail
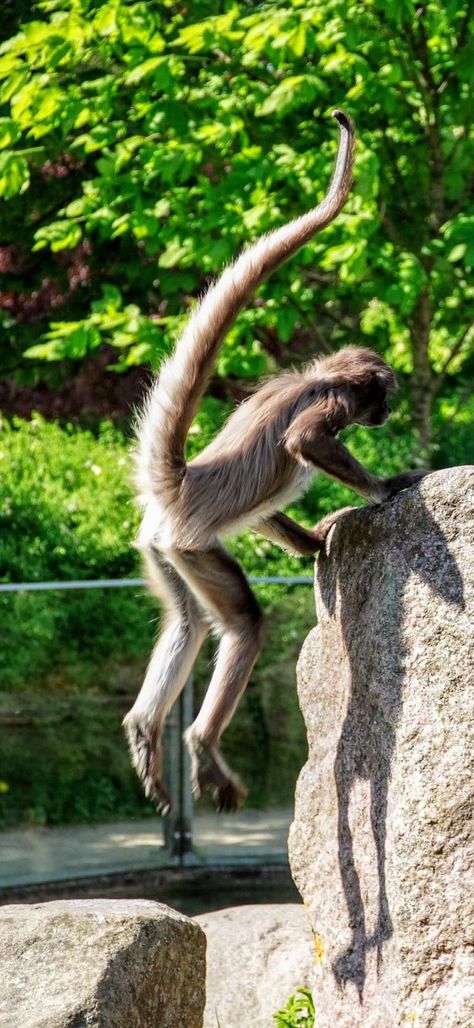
(174, 398)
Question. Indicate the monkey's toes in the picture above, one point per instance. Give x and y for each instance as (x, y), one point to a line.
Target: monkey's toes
(229, 797)
(159, 795)
(145, 751)
(210, 771)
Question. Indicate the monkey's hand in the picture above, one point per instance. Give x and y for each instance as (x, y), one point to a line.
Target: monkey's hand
(323, 527)
(396, 483)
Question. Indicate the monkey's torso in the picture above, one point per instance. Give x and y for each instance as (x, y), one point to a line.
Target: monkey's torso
(243, 475)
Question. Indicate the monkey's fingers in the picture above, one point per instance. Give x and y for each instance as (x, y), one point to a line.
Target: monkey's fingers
(404, 481)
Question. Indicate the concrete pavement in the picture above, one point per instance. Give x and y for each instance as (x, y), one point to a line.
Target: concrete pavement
(35, 855)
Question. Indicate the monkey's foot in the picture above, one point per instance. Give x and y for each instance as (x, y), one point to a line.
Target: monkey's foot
(210, 771)
(323, 527)
(145, 751)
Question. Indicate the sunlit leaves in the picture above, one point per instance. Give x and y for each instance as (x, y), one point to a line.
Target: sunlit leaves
(459, 235)
(110, 320)
(176, 253)
(299, 1010)
(66, 339)
(209, 32)
(14, 174)
(293, 92)
(174, 135)
(59, 235)
(9, 132)
(144, 70)
(37, 105)
(137, 24)
(241, 353)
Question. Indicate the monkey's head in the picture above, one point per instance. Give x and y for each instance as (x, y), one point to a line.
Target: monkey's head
(367, 378)
(372, 405)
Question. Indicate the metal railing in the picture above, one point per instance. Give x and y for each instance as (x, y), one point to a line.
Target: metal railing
(178, 825)
(121, 583)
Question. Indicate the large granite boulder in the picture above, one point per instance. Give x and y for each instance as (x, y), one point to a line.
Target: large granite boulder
(257, 957)
(100, 964)
(382, 845)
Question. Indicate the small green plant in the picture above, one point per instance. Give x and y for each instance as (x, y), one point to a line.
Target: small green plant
(299, 1011)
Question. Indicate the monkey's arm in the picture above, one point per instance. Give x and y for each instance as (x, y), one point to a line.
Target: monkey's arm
(281, 529)
(308, 438)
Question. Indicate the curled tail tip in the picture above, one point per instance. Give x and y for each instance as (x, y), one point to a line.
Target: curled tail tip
(344, 120)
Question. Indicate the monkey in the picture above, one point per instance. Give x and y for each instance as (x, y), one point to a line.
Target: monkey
(266, 455)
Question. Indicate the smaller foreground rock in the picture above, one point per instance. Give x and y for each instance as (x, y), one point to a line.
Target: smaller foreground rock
(100, 964)
(257, 956)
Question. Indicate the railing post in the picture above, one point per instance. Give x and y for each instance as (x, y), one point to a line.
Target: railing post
(178, 824)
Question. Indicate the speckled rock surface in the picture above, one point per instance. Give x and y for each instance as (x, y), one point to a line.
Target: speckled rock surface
(382, 847)
(257, 956)
(100, 964)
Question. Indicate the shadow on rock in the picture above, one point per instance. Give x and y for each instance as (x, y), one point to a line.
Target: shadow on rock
(373, 635)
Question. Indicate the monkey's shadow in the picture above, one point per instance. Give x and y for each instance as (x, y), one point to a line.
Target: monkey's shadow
(368, 733)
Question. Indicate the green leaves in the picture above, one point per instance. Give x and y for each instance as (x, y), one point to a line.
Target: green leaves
(210, 32)
(144, 70)
(295, 91)
(9, 132)
(37, 106)
(138, 339)
(66, 339)
(14, 174)
(59, 235)
(137, 24)
(459, 235)
(170, 137)
(299, 1012)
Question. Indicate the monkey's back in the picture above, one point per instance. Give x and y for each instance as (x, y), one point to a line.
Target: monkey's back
(246, 471)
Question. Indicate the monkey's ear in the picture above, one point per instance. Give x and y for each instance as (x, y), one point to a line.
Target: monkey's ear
(386, 378)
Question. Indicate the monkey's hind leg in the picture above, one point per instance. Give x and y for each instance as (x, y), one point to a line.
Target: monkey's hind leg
(222, 590)
(169, 667)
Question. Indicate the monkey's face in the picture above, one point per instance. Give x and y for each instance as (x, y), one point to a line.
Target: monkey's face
(373, 409)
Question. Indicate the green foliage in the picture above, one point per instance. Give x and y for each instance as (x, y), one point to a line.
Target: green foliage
(65, 504)
(299, 1012)
(64, 760)
(163, 137)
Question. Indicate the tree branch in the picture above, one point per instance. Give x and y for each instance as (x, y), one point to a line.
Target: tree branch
(443, 374)
(463, 396)
(461, 40)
